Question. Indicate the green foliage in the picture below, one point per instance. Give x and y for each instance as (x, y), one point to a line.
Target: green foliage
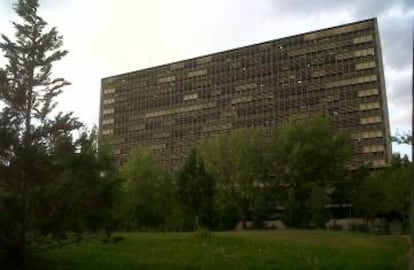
(238, 161)
(404, 138)
(27, 89)
(299, 167)
(226, 214)
(28, 93)
(384, 193)
(368, 196)
(396, 179)
(310, 156)
(146, 192)
(53, 187)
(87, 187)
(196, 190)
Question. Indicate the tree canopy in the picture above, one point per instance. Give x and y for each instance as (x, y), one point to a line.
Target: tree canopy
(146, 191)
(238, 160)
(311, 156)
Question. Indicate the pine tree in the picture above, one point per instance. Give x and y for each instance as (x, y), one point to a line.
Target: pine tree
(28, 93)
(42, 166)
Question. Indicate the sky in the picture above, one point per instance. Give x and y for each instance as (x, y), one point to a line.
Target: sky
(109, 37)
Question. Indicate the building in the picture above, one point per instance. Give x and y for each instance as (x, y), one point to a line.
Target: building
(336, 71)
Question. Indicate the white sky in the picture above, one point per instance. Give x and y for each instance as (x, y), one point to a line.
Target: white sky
(109, 37)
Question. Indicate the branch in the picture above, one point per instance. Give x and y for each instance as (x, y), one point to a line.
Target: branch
(405, 138)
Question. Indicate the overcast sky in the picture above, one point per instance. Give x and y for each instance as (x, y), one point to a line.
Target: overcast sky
(108, 37)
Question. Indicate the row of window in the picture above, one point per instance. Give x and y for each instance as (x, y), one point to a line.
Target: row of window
(230, 81)
(373, 148)
(108, 111)
(259, 100)
(370, 120)
(238, 75)
(369, 106)
(108, 91)
(347, 55)
(357, 80)
(168, 99)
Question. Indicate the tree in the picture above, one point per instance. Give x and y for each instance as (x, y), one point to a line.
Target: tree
(196, 190)
(238, 161)
(146, 191)
(28, 93)
(404, 138)
(51, 183)
(310, 156)
(369, 194)
(86, 187)
(384, 193)
(396, 179)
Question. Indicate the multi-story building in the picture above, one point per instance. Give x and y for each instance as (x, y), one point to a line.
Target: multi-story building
(336, 71)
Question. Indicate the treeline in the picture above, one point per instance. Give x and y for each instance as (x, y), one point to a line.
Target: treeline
(299, 174)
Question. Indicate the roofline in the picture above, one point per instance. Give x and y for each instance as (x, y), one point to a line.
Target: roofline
(374, 19)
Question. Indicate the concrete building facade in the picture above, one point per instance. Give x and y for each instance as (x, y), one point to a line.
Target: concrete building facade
(336, 71)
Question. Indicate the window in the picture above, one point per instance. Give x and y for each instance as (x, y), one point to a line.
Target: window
(370, 120)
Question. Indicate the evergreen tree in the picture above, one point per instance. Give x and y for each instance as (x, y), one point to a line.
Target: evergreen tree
(41, 163)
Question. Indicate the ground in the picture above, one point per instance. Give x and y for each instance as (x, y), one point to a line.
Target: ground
(284, 249)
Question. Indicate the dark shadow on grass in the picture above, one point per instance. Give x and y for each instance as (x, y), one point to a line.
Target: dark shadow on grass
(40, 262)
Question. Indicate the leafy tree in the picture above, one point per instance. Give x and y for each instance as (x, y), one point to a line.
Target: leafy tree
(368, 197)
(396, 180)
(146, 191)
(407, 138)
(385, 193)
(238, 161)
(226, 213)
(310, 156)
(196, 190)
(50, 182)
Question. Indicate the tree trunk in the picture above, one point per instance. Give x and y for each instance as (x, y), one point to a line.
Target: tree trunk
(27, 142)
(196, 222)
(20, 249)
(243, 220)
(244, 223)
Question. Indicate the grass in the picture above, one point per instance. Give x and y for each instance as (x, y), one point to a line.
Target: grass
(285, 249)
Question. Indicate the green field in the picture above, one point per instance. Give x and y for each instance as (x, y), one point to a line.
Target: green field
(284, 249)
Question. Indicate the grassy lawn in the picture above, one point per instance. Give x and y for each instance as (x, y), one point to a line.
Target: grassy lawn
(284, 249)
